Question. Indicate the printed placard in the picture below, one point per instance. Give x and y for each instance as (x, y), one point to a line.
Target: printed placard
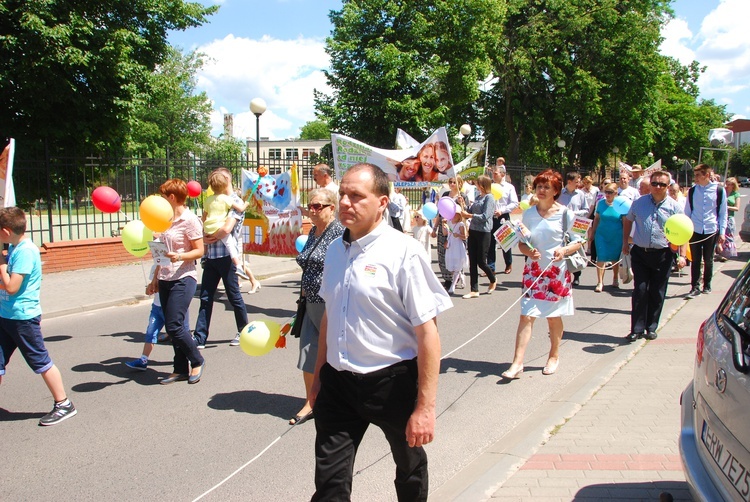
(159, 252)
(506, 236)
(581, 227)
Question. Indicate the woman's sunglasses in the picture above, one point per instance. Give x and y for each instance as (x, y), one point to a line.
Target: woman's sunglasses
(609, 192)
(317, 206)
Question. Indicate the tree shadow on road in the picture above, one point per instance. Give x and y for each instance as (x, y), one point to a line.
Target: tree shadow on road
(257, 403)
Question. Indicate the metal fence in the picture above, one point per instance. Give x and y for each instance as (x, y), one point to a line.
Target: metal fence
(56, 191)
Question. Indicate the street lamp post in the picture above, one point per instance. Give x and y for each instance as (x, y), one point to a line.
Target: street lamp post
(465, 130)
(615, 150)
(257, 106)
(561, 145)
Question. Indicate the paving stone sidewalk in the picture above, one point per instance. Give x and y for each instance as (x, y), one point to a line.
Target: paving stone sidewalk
(622, 444)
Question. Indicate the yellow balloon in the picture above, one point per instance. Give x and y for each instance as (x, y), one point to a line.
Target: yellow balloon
(678, 229)
(135, 238)
(497, 191)
(209, 192)
(258, 338)
(156, 213)
(524, 205)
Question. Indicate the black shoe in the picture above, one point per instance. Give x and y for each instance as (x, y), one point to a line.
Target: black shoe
(447, 285)
(173, 379)
(706, 290)
(693, 293)
(651, 335)
(576, 282)
(632, 337)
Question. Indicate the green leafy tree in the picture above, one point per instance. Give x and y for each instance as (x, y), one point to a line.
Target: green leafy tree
(315, 129)
(170, 118)
(739, 163)
(70, 70)
(413, 65)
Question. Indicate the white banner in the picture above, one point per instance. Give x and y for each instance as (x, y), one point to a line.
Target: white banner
(7, 193)
(429, 161)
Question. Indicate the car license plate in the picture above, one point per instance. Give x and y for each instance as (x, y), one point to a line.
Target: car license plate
(733, 470)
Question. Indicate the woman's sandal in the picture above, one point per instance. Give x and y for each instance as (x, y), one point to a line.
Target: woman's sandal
(512, 375)
(550, 367)
(598, 288)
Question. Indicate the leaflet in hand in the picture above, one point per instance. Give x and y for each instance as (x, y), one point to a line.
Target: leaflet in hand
(581, 227)
(159, 252)
(510, 233)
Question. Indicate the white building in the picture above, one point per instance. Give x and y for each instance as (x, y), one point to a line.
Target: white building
(285, 149)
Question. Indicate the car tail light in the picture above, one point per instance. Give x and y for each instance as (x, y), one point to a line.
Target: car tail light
(700, 344)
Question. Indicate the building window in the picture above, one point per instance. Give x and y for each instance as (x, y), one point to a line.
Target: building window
(307, 153)
(274, 153)
(292, 154)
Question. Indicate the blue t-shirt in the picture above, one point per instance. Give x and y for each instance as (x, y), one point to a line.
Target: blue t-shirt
(23, 259)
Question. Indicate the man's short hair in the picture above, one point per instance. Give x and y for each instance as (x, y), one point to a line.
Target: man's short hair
(572, 176)
(659, 174)
(704, 168)
(500, 169)
(379, 178)
(325, 169)
(14, 219)
(500, 161)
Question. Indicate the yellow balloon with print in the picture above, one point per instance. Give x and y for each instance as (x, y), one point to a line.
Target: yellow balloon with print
(135, 238)
(678, 229)
(497, 191)
(258, 338)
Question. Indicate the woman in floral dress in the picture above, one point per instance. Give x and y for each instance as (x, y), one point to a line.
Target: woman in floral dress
(546, 281)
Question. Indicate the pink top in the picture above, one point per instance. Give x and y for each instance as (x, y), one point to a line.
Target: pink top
(178, 239)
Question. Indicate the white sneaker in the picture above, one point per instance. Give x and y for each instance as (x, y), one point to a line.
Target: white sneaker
(236, 341)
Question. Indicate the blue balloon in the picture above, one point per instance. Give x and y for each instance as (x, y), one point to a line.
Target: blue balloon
(621, 205)
(429, 210)
(299, 244)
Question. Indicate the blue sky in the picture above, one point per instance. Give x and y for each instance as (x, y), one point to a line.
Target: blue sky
(274, 49)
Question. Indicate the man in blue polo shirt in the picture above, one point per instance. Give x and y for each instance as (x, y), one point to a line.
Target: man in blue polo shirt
(651, 255)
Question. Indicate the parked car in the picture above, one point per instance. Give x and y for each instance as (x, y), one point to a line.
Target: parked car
(744, 181)
(715, 435)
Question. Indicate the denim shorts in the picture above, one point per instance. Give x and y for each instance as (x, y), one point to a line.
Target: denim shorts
(26, 336)
(155, 324)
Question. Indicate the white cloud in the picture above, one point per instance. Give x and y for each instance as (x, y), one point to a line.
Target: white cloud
(722, 46)
(282, 72)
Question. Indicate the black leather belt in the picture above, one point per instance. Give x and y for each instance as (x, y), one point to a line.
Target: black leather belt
(653, 250)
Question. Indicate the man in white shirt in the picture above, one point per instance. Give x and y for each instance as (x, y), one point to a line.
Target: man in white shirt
(322, 176)
(624, 189)
(575, 200)
(503, 207)
(382, 299)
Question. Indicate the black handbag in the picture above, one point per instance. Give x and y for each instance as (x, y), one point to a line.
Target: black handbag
(297, 326)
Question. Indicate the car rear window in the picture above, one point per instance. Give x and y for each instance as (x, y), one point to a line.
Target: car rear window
(736, 305)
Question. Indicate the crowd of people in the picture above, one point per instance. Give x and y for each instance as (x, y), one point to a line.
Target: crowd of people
(374, 357)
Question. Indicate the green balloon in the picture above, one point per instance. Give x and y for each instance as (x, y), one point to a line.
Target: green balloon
(135, 238)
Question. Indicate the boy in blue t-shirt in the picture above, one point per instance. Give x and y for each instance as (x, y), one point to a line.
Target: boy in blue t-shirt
(21, 312)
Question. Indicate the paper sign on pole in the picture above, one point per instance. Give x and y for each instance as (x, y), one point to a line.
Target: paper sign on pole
(581, 227)
(7, 193)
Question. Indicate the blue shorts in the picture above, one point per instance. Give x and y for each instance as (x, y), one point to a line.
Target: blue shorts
(26, 336)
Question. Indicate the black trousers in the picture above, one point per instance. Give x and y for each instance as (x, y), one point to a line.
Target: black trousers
(651, 269)
(346, 405)
(476, 245)
(702, 251)
(497, 222)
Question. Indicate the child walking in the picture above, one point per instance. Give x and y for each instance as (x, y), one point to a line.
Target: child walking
(455, 251)
(422, 230)
(21, 312)
(215, 212)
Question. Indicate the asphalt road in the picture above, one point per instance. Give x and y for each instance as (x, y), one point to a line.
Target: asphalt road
(227, 438)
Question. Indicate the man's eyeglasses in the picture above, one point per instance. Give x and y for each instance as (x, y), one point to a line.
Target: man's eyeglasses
(658, 184)
(317, 206)
(609, 192)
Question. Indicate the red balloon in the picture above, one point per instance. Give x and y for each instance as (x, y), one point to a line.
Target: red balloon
(106, 199)
(194, 188)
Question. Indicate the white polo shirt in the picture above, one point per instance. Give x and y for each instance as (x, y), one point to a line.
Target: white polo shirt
(377, 289)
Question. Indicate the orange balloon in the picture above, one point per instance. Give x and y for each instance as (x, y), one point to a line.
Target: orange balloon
(156, 213)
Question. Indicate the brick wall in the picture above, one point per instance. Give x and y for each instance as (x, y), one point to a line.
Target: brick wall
(85, 253)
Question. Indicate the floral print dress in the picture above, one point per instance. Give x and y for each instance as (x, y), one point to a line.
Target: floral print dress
(552, 295)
